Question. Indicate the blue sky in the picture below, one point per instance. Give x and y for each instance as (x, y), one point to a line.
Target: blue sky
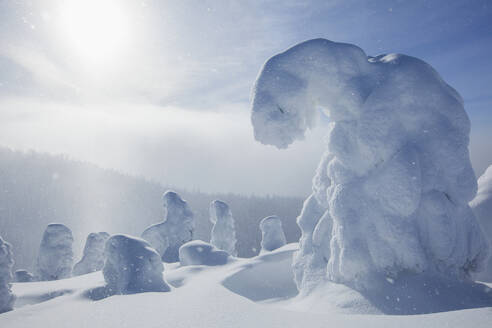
(161, 88)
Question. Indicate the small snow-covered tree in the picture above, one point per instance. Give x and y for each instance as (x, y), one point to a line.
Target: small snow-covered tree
(176, 229)
(272, 233)
(6, 262)
(482, 207)
(132, 266)
(55, 258)
(391, 192)
(23, 276)
(223, 232)
(93, 257)
(198, 252)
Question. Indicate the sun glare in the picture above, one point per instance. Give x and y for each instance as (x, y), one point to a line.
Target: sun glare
(95, 29)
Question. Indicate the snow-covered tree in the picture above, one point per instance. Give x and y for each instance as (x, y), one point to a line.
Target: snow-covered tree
(23, 276)
(6, 262)
(93, 257)
(482, 207)
(176, 229)
(223, 232)
(391, 192)
(272, 233)
(132, 266)
(55, 257)
(198, 252)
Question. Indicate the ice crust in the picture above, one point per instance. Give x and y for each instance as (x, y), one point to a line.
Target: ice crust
(391, 191)
(55, 258)
(93, 257)
(223, 231)
(132, 266)
(176, 229)
(272, 234)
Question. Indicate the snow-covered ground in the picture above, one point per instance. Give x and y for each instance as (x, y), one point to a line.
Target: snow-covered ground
(256, 292)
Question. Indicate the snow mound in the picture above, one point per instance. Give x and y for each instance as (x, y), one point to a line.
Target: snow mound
(93, 257)
(267, 277)
(391, 192)
(482, 207)
(176, 229)
(132, 266)
(409, 294)
(6, 262)
(198, 252)
(55, 258)
(23, 276)
(272, 233)
(223, 231)
(201, 300)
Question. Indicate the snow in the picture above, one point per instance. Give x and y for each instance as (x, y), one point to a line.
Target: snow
(272, 234)
(55, 257)
(6, 262)
(223, 231)
(243, 294)
(176, 229)
(391, 193)
(198, 252)
(132, 266)
(482, 207)
(23, 276)
(93, 257)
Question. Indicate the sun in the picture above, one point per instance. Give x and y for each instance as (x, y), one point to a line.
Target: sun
(97, 30)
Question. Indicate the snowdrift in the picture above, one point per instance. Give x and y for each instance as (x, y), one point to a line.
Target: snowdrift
(256, 292)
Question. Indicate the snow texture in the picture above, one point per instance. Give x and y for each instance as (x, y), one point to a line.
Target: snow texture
(198, 252)
(132, 266)
(272, 233)
(250, 292)
(93, 257)
(176, 229)
(23, 276)
(55, 258)
(391, 192)
(482, 207)
(6, 262)
(223, 231)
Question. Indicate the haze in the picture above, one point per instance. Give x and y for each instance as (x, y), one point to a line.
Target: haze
(161, 89)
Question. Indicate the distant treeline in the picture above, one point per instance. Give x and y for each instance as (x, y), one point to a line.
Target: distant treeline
(37, 189)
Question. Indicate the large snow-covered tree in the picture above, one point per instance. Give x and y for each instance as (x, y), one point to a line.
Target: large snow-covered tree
(176, 229)
(391, 192)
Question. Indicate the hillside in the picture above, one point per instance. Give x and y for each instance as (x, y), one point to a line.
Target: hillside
(38, 188)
